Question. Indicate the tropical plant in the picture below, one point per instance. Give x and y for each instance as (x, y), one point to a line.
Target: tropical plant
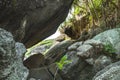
(63, 62)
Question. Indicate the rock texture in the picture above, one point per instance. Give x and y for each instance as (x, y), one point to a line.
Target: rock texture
(87, 59)
(44, 73)
(41, 47)
(32, 20)
(11, 54)
(110, 36)
(111, 72)
(41, 66)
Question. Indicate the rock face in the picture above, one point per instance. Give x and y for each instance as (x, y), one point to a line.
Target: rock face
(111, 72)
(110, 36)
(87, 59)
(41, 66)
(11, 54)
(32, 20)
(44, 73)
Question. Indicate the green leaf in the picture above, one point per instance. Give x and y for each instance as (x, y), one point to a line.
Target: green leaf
(62, 62)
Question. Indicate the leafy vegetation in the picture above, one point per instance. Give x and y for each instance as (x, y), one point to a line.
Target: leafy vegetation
(86, 15)
(108, 47)
(63, 62)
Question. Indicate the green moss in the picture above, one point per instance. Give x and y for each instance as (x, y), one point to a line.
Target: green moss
(44, 42)
(108, 47)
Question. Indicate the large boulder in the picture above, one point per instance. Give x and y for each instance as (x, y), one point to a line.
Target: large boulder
(32, 20)
(11, 56)
(111, 72)
(110, 36)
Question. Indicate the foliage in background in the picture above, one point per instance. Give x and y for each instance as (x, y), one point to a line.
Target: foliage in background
(86, 15)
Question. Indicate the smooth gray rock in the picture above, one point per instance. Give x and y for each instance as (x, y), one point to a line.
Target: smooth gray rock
(44, 73)
(93, 42)
(39, 74)
(75, 46)
(11, 66)
(85, 51)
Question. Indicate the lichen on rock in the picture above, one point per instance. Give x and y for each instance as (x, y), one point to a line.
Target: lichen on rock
(11, 66)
